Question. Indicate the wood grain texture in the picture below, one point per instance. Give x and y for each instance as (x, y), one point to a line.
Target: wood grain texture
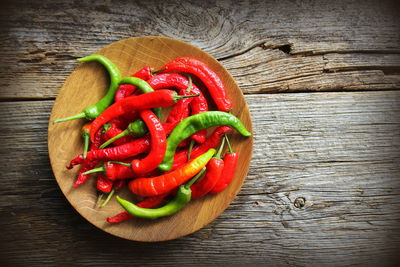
(300, 41)
(323, 188)
(85, 86)
(328, 193)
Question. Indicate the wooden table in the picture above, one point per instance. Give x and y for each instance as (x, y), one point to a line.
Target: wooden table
(321, 80)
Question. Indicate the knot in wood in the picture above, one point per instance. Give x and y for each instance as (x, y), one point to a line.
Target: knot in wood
(299, 202)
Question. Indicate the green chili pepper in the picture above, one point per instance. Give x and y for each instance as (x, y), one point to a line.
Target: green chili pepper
(92, 112)
(137, 128)
(183, 196)
(193, 124)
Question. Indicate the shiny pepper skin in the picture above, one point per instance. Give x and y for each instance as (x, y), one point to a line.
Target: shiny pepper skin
(212, 176)
(230, 163)
(147, 187)
(210, 79)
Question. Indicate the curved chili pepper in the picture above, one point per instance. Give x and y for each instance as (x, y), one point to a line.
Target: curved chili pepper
(183, 196)
(178, 112)
(181, 157)
(147, 187)
(158, 144)
(160, 98)
(149, 202)
(121, 152)
(180, 82)
(230, 160)
(213, 174)
(193, 124)
(144, 88)
(125, 90)
(95, 110)
(206, 75)
(198, 105)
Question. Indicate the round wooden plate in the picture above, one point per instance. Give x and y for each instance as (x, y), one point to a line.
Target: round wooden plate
(84, 87)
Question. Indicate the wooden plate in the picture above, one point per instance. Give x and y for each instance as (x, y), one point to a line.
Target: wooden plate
(84, 87)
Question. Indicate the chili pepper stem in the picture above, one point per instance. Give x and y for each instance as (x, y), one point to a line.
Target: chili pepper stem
(194, 179)
(229, 143)
(218, 155)
(99, 169)
(109, 141)
(190, 149)
(178, 97)
(108, 198)
(106, 127)
(85, 145)
(99, 198)
(121, 163)
(74, 117)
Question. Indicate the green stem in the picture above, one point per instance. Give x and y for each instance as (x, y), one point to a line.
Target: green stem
(121, 163)
(109, 141)
(99, 169)
(158, 71)
(229, 143)
(99, 198)
(86, 138)
(108, 198)
(190, 149)
(218, 155)
(190, 84)
(106, 127)
(194, 179)
(178, 97)
(74, 117)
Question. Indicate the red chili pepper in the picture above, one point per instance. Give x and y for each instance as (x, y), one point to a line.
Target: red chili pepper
(148, 203)
(137, 146)
(158, 144)
(103, 183)
(197, 105)
(177, 113)
(230, 163)
(81, 176)
(125, 90)
(88, 164)
(160, 98)
(115, 171)
(213, 174)
(181, 157)
(206, 75)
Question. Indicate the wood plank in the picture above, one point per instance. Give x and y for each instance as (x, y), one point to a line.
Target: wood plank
(39, 41)
(336, 153)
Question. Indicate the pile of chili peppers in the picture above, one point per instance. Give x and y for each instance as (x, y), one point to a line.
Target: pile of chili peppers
(165, 163)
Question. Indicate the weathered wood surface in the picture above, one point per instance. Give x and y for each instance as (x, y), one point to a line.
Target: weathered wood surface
(339, 152)
(267, 45)
(324, 184)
